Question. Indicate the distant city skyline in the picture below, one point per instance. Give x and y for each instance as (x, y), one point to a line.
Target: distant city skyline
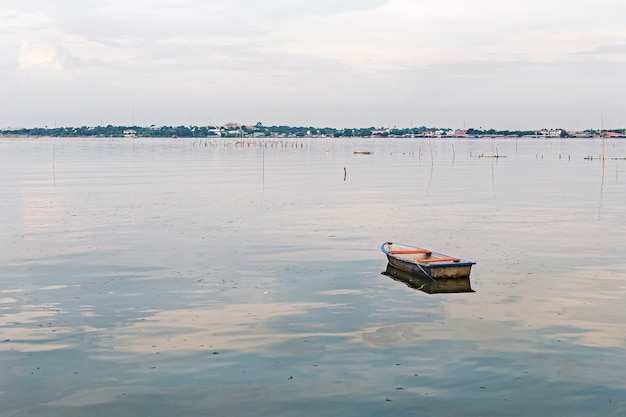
(328, 63)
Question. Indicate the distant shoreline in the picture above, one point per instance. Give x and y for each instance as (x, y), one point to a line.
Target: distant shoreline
(417, 137)
(236, 130)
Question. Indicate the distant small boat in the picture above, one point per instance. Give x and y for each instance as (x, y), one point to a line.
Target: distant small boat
(424, 262)
(362, 152)
(427, 285)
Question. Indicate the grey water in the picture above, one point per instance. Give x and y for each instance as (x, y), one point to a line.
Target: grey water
(243, 277)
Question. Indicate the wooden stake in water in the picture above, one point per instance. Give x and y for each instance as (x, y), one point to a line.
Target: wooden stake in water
(54, 175)
(602, 135)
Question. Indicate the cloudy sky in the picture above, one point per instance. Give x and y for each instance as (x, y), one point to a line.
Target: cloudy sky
(338, 63)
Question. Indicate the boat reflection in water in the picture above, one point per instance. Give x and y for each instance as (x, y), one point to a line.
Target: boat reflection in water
(429, 285)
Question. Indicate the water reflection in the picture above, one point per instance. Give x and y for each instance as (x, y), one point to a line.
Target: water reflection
(31, 330)
(242, 327)
(429, 285)
(119, 284)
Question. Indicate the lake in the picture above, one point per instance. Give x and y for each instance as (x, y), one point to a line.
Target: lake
(243, 277)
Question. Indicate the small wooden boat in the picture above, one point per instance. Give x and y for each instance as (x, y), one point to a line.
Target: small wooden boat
(425, 262)
(428, 285)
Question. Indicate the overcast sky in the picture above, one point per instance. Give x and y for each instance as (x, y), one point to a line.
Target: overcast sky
(329, 63)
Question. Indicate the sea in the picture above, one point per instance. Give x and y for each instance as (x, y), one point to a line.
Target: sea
(244, 277)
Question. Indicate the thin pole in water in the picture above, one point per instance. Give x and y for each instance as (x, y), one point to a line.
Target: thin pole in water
(54, 175)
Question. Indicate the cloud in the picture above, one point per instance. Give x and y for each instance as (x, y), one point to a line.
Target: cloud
(607, 50)
(320, 57)
(16, 19)
(41, 57)
(297, 9)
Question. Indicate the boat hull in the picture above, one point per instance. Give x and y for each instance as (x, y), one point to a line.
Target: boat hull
(427, 285)
(421, 262)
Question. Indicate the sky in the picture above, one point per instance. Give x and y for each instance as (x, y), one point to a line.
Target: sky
(498, 64)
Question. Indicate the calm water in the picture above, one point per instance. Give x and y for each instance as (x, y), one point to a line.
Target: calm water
(149, 277)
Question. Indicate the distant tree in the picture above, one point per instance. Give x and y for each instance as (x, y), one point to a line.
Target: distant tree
(167, 131)
(201, 132)
(183, 131)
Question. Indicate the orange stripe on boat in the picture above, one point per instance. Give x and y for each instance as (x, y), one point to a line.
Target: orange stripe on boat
(429, 260)
(407, 251)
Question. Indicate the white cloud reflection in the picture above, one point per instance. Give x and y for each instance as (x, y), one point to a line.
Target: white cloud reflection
(243, 327)
(29, 330)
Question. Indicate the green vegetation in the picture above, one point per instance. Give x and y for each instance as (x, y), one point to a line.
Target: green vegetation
(115, 131)
(209, 131)
(493, 132)
(260, 130)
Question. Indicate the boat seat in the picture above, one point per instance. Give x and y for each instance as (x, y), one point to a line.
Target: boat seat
(408, 251)
(430, 260)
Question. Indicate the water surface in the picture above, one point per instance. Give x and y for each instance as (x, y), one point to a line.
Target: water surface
(166, 277)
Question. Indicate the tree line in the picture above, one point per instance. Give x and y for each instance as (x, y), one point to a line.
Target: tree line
(268, 131)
